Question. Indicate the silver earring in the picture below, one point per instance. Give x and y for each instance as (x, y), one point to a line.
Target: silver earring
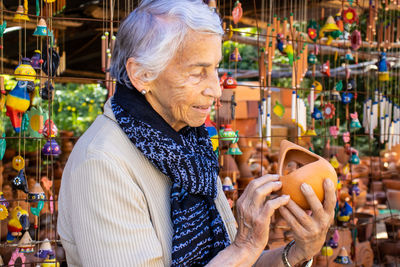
(143, 92)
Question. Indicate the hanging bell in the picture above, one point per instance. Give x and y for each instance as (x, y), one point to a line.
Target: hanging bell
(235, 56)
(24, 71)
(19, 182)
(343, 257)
(36, 194)
(230, 82)
(227, 184)
(234, 150)
(355, 123)
(329, 29)
(50, 129)
(45, 250)
(20, 14)
(325, 69)
(25, 245)
(312, 58)
(237, 12)
(41, 28)
(354, 159)
(348, 55)
(354, 189)
(383, 73)
(51, 148)
(36, 60)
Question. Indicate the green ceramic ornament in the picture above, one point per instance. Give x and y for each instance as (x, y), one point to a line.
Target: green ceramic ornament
(25, 122)
(227, 134)
(37, 117)
(279, 109)
(3, 144)
(339, 86)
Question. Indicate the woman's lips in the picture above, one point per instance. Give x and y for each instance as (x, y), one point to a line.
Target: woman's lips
(203, 108)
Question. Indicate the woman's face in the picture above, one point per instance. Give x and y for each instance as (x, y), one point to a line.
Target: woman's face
(184, 92)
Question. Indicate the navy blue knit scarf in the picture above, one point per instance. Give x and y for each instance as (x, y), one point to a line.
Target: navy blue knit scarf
(187, 158)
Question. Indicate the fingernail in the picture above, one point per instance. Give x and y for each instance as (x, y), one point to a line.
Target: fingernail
(278, 183)
(286, 197)
(328, 182)
(306, 188)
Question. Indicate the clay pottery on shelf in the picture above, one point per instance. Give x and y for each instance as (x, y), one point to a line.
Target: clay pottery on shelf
(312, 169)
(228, 167)
(393, 227)
(393, 198)
(364, 226)
(243, 161)
(389, 247)
(391, 184)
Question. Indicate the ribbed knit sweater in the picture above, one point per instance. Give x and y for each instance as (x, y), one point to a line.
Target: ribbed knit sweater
(114, 205)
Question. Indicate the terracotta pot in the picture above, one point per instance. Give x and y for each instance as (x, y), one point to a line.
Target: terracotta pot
(377, 186)
(391, 184)
(392, 227)
(243, 161)
(364, 226)
(389, 247)
(393, 198)
(312, 170)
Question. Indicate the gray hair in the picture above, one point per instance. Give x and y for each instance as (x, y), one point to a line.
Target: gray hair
(154, 31)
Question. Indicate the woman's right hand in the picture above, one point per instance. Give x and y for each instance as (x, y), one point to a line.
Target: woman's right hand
(254, 213)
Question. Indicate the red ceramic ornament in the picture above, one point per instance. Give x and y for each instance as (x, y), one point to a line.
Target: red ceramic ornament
(230, 82)
(50, 129)
(237, 12)
(325, 69)
(350, 16)
(355, 40)
(329, 110)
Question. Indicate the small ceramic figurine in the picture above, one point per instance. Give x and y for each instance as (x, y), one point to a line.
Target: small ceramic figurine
(41, 28)
(234, 150)
(18, 163)
(227, 184)
(230, 82)
(383, 73)
(45, 250)
(325, 69)
(17, 103)
(19, 182)
(227, 134)
(317, 114)
(329, 110)
(344, 212)
(51, 148)
(312, 58)
(50, 129)
(237, 12)
(36, 60)
(19, 221)
(334, 131)
(26, 245)
(313, 171)
(354, 159)
(350, 15)
(24, 71)
(354, 189)
(343, 257)
(355, 123)
(235, 56)
(347, 97)
(332, 243)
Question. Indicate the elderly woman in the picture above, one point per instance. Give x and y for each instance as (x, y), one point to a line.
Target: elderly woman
(141, 187)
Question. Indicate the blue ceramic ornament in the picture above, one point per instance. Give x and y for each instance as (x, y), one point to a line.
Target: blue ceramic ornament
(19, 182)
(354, 189)
(51, 148)
(354, 159)
(344, 212)
(347, 97)
(317, 114)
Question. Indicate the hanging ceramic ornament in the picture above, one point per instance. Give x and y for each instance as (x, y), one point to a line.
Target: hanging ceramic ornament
(347, 97)
(313, 30)
(25, 123)
(355, 123)
(51, 61)
(36, 60)
(317, 114)
(354, 189)
(18, 221)
(3, 212)
(329, 110)
(354, 159)
(41, 28)
(348, 56)
(326, 251)
(355, 40)
(334, 131)
(3, 145)
(47, 92)
(351, 85)
(346, 137)
(344, 212)
(339, 86)
(339, 21)
(330, 29)
(50, 129)
(312, 58)
(26, 245)
(343, 257)
(230, 82)
(36, 194)
(332, 243)
(2, 30)
(21, 13)
(234, 150)
(51, 148)
(3, 201)
(237, 12)
(24, 71)
(17, 258)
(383, 73)
(346, 169)
(227, 134)
(17, 103)
(334, 162)
(52, 262)
(45, 250)
(317, 87)
(36, 121)
(278, 109)
(227, 184)
(19, 182)
(235, 56)
(18, 163)
(212, 133)
(350, 15)
(325, 69)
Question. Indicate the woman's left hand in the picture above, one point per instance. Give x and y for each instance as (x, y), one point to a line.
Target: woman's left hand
(310, 231)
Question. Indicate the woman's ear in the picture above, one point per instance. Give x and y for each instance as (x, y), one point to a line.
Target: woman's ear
(131, 68)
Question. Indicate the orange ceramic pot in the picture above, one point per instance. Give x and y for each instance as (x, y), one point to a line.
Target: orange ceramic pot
(312, 169)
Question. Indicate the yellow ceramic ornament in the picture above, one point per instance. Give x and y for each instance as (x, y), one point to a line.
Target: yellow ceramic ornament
(327, 251)
(317, 87)
(18, 163)
(334, 161)
(346, 169)
(279, 109)
(50, 263)
(3, 212)
(25, 72)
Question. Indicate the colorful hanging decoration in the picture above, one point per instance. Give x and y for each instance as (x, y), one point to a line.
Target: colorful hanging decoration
(317, 87)
(3, 146)
(227, 134)
(334, 131)
(346, 137)
(230, 82)
(355, 123)
(312, 58)
(330, 29)
(19, 221)
(51, 148)
(21, 13)
(212, 133)
(313, 30)
(3, 200)
(3, 28)
(354, 159)
(326, 251)
(18, 163)
(45, 250)
(25, 245)
(347, 97)
(348, 56)
(334, 162)
(19, 182)
(354, 189)
(237, 12)
(234, 150)
(344, 212)
(50, 129)
(24, 71)
(36, 121)
(343, 257)
(278, 109)
(339, 86)
(383, 73)
(17, 257)
(317, 114)
(326, 69)
(235, 56)
(17, 103)
(339, 21)
(329, 110)
(350, 15)
(355, 40)
(41, 28)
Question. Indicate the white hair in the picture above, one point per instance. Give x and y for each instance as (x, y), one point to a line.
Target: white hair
(154, 31)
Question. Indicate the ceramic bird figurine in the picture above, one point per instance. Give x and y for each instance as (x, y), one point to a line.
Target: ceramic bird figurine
(285, 49)
(280, 42)
(383, 73)
(19, 221)
(17, 103)
(289, 53)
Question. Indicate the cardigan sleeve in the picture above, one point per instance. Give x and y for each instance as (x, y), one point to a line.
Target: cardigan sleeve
(109, 217)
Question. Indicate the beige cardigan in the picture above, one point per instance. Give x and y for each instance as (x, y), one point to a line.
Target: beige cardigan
(114, 207)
